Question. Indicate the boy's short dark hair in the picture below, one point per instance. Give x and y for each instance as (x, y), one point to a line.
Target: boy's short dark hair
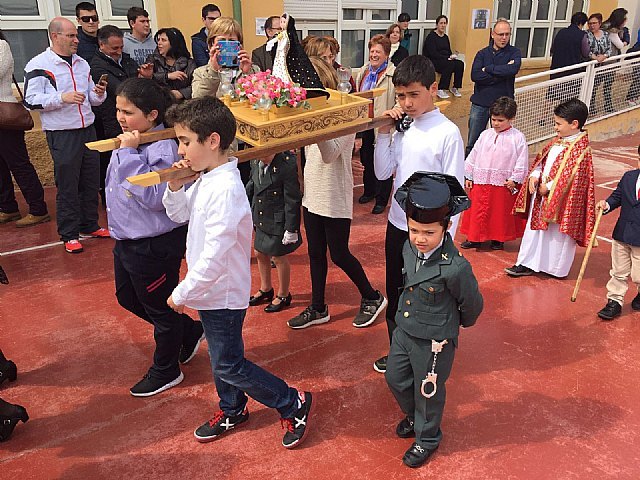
(414, 69)
(134, 12)
(87, 6)
(108, 31)
(504, 107)
(404, 17)
(205, 116)
(208, 8)
(579, 18)
(572, 110)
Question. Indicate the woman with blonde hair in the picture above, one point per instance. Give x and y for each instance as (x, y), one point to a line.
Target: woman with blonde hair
(206, 79)
(327, 209)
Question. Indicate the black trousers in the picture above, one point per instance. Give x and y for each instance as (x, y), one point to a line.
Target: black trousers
(146, 272)
(323, 232)
(14, 160)
(77, 173)
(446, 70)
(381, 189)
(393, 244)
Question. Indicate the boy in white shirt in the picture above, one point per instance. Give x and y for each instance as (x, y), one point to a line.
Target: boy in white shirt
(431, 143)
(219, 279)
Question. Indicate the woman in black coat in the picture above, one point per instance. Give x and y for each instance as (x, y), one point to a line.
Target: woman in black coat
(437, 48)
(398, 52)
(171, 64)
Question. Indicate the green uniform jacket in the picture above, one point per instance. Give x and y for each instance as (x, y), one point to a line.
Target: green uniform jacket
(440, 297)
(275, 201)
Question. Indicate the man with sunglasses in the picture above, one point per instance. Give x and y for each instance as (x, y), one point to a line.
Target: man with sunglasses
(88, 21)
(199, 47)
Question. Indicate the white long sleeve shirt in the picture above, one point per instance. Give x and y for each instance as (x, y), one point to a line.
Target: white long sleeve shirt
(47, 77)
(432, 144)
(218, 241)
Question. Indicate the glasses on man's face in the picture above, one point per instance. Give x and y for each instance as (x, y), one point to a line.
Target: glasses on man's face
(507, 34)
(68, 35)
(89, 18)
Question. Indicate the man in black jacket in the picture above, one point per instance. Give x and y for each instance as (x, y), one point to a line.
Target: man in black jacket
(260, 56)
(87, 18)
(199, 47)
(570, 46)
(118, 66)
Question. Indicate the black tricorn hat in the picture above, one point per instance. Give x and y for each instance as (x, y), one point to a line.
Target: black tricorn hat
(429, 197)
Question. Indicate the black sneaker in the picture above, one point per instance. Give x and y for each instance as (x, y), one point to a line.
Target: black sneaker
(467, 244)
(297, 425)
(192, 343)
(380, 365)
(218, 425)
(496, 245)
(369, 311)
(519, 271)
(405, 428)
(308, 317)
(610, 311)
(150, 386)
(635, 303)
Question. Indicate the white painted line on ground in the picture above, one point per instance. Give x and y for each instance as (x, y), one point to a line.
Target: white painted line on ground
(359, 185)
(604, 239)
(30, 249)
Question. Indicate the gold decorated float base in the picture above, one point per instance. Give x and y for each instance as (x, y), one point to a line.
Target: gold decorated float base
(284, 124)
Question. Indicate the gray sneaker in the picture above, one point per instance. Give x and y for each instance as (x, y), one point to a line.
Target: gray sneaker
(308, 317)
(369, 311)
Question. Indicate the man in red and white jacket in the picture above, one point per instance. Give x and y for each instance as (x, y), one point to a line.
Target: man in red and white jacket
(58, 84)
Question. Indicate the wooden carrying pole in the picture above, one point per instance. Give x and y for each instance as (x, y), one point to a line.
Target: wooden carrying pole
(172, 173)
(586, 255)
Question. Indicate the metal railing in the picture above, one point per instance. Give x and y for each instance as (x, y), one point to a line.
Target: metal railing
(608, 89)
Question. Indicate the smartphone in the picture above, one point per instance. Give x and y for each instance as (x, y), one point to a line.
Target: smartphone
(103, 79)
(228, 53)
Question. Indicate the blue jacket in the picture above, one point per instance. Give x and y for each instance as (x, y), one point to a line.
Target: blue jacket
(199, 48)
(627, 229)
(498, 77)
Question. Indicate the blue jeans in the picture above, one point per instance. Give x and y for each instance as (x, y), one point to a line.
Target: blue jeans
(478, 118)
(235, 376)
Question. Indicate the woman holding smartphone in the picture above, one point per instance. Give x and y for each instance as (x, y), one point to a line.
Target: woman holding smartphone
(171, 64)
(206, 79)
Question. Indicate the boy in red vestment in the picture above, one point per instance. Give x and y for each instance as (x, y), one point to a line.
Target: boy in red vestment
(559, 198)
(495, 167)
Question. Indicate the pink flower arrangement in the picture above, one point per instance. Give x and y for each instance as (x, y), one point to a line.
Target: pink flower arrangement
(253, 87)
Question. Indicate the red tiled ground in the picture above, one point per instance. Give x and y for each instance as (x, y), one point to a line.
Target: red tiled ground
(541, 388)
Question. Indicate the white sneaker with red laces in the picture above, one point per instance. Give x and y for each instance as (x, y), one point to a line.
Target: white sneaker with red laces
(99, 233)
(73, 246)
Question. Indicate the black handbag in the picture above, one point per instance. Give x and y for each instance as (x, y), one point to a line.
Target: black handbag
(13, 115)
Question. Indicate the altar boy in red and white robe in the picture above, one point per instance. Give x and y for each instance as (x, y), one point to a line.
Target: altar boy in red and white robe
(558, 198)
(493, 170)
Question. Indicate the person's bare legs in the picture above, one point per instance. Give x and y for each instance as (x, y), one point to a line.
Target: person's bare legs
(264, 267)
(283, 268)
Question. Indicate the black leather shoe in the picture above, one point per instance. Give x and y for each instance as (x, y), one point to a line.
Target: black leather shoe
(377, 209)
(262, 297)
(416, 456)
(495, 245)
(8, 371)
(365, 199)
(284, 302)
(635, 303)
(611, 310)
(9, 421)
(405, 428)
(519, 271)
(467, 244)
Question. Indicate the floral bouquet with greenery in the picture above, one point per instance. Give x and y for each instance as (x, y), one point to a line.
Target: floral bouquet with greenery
(262, 84)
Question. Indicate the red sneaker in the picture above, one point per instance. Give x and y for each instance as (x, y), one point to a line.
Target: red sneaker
(99, 233)
(73, 246)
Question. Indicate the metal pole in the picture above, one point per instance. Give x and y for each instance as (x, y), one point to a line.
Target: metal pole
(237, 11)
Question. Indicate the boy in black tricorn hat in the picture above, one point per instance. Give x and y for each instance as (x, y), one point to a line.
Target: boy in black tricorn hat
(440, 294)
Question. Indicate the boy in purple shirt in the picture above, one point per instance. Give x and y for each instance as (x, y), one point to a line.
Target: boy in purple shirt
(149, 246)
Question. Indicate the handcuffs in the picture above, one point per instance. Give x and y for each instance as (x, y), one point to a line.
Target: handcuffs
(432, 376)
